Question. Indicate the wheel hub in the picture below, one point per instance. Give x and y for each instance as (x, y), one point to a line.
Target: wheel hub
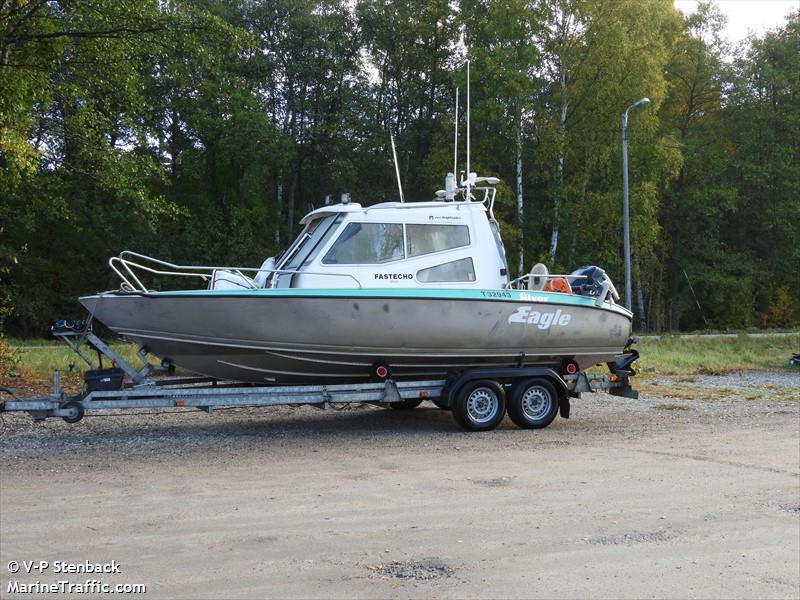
(482, 405)
(536, 403)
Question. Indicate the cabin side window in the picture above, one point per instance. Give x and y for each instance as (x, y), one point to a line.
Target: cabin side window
(426, 239)
(455, 271)
(367, 244)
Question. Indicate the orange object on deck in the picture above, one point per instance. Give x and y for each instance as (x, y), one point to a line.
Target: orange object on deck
(559, 285)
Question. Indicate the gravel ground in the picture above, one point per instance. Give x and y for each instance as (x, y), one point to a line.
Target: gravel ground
(691, 491)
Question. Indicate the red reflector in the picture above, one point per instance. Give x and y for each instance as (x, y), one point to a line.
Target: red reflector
(572, 368)
(179, 403)
(381, 371)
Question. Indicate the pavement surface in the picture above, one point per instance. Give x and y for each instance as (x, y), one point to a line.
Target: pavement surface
(691, 491)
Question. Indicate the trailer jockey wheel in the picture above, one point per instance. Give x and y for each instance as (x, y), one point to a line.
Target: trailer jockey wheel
(381, 371)
(75, 409)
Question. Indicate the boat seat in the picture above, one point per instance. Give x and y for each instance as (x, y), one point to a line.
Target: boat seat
(538, 277)
(229, 280)
(262, 276)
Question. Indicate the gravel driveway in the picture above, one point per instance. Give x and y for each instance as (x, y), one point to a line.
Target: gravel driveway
(691, 491)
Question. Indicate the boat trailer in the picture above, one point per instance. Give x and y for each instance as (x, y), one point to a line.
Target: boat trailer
(536, 394)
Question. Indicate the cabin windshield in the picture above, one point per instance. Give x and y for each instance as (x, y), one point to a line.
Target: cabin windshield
(309, 242)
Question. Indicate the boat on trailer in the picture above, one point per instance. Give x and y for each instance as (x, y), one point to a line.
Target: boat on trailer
(405, 290)
(391, 304)
(399, 290)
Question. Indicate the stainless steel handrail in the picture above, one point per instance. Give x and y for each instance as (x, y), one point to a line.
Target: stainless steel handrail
(510, 285)
(607, 287)
(203, 272)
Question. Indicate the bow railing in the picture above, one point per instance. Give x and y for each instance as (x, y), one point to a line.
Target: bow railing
(128, 263)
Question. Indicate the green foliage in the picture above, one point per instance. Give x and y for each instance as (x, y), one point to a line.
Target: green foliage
(783, 309)
(201, 131)
(10, 359)
(730, 220)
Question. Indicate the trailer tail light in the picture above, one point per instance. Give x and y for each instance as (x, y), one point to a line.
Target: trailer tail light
(570, 367)
(381, 371)
(179, 403)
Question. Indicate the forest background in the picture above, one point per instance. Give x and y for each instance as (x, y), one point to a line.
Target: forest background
(200, 131)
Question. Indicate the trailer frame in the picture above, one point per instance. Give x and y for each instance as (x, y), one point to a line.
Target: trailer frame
(142, 390)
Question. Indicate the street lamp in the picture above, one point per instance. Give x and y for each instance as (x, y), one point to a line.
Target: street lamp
(625, 206)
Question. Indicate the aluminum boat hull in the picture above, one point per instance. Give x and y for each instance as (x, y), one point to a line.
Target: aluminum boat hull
(302, 335)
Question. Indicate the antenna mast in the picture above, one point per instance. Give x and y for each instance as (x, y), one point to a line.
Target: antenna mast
(468, 197)
(455, 145)
(397, 169)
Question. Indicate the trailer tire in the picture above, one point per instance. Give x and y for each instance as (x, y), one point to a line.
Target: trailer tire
(76, 409)
(479, 405)
(406, 404)
(533, 404)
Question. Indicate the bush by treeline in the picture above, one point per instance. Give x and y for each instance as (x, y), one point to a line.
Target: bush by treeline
(201, 131)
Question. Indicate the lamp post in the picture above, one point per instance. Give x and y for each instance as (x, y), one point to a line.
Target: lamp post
(626, 225)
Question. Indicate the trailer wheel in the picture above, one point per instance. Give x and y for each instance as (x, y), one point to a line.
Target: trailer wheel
(480, 405)
(533, 404)
(75, 409)
(406, 404)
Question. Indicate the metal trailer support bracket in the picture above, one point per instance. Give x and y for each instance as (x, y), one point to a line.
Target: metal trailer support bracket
(390, 392)
(138, 376)
(614, 384)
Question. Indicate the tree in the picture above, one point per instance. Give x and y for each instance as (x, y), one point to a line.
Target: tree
(762, 118)
(79, 174)
(498, 36)
(411, 49)
(598, 57)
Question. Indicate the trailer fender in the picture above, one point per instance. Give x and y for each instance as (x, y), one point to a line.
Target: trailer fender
(563, 406)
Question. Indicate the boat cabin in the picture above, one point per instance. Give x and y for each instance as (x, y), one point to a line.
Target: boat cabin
(442, 244)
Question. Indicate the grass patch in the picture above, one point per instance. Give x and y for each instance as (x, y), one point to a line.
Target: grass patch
(38, 360)
(33, 342)
(682, 391)
(784, 393)
(685, 356)
(671, 407)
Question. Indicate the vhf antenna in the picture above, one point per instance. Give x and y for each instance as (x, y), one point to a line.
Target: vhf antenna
(468, 198)
(397, 169)
(455, 145)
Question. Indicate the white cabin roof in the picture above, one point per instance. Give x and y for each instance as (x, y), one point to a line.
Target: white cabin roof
(354, 207)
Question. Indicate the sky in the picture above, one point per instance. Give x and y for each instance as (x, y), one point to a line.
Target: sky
(745, 16)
